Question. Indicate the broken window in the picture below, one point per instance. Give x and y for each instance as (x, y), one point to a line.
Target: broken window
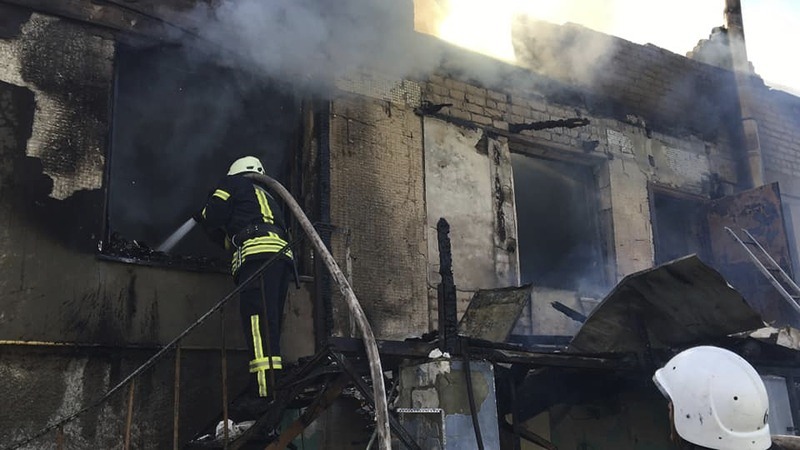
(679, 225)
(559, 230)
(178, 123)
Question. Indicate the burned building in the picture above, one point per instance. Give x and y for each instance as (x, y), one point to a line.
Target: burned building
(562, 176)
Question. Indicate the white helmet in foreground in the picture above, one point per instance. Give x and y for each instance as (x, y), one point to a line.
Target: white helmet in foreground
(718, 399)
(246, 164)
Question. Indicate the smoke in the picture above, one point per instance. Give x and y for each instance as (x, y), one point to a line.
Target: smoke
(559, 245)
(310, 43)
(569, 53)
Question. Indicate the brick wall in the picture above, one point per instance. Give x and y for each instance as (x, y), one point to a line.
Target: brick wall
(655, 118)
(671, 92)
(377, 196)
(778, 116)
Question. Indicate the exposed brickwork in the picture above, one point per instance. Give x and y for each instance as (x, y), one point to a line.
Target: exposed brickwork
(377, 194)
(656, 117)
(778, 116)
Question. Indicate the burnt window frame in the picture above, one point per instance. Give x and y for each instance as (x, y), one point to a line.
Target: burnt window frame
(657, 189)
(596, 164)
(294, 182)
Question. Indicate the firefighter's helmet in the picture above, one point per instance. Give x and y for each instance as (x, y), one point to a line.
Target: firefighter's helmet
(246, 164)
(718, 399)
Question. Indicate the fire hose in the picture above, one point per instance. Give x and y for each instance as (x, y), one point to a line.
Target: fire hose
(371, 346)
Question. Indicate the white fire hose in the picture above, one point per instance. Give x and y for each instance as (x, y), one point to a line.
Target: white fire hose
(376, 371)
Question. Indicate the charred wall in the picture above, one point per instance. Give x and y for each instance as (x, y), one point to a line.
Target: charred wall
(778, 116)
(378, 210)
(630, 142)
(43, 385)
(55, 96)
(610, 75)
(54, 146)
(468, 182)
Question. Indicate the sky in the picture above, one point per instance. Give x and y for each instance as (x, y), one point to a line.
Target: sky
(772, 27)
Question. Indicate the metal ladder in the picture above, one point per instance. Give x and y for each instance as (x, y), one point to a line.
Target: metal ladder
(767, 265)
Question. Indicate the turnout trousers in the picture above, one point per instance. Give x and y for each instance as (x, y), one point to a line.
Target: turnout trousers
(261, 308)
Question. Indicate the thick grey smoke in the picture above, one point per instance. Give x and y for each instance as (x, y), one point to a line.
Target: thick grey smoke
(570, 53)
(311, 42)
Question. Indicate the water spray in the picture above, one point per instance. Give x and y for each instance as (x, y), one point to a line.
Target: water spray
(176, 237)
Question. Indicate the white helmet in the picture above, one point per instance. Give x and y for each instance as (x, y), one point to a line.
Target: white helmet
(246, 164)
(718, 399)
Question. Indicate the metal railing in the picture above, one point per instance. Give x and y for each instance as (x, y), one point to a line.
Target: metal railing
(129, 381)
(376, 371)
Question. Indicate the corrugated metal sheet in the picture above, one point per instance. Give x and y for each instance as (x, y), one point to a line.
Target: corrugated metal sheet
(678, 303)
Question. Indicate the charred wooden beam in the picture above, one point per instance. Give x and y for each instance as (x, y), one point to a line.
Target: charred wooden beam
(448, 314)
(569, 312)
(527, 435)
(574, 122)
(402, 349)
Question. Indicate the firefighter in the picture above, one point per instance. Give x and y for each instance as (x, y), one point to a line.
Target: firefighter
(250, 221)
(717, 400)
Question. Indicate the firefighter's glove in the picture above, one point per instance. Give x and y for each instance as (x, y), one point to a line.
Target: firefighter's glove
(199, 217)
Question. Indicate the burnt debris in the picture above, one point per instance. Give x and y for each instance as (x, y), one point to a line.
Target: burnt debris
(118, 248)
(573, 122)
(427, 107)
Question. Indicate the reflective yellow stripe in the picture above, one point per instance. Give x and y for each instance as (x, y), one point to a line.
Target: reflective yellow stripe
(262, 383)
(266, 212)
(256, 331)
(271, 243)
(267, 363)
(221, 194)
(268, 239)
(204, 213)
(259, 353)
(264, 248)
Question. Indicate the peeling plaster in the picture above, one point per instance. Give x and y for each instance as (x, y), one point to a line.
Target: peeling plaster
(68, 140)
(459, 187)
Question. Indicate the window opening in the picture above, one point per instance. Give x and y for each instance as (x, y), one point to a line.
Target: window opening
(679, 224)
(559, 230)
(178, 123)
